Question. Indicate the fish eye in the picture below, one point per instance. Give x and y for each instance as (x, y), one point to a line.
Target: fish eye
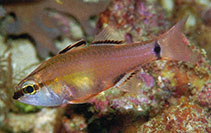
(29, 89)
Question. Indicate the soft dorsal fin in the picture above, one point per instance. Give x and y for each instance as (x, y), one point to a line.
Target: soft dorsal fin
(78, 44)
(106, 42)
(109, 33)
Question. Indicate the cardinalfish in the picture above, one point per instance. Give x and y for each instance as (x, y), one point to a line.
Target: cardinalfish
(81, 71)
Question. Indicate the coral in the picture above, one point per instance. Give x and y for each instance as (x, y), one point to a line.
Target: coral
(204, 96)
(162, 96)
(201, 86)
(183, 117)
(32, 18)
(206, 16)
(77, 123)
(199, 18)
(203, 39)
(148, 92)
(138, 22)
(12, 69)
(139, 98)
(47, 120)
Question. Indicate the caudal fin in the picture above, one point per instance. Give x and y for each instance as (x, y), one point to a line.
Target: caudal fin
(174, 45)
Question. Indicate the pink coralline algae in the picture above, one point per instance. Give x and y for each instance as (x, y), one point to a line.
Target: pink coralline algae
(162, 96)
(101, 105)
(140, 19)
(184, 117)
(76, 124)
(131, 103)
(204, 96)
(147, 79)
(136, 95)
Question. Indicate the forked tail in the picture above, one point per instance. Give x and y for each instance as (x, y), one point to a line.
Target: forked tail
(174, 45)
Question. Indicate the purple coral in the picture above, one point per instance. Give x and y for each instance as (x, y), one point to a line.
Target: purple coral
(147, 79)
(204, 97)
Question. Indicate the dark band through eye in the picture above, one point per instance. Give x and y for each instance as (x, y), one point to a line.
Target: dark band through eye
(18, 94)
(30, 89)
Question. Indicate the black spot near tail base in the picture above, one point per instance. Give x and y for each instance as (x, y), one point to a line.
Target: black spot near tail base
(157, 50)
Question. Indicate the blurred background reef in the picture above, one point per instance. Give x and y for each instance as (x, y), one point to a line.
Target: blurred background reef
(168, 96)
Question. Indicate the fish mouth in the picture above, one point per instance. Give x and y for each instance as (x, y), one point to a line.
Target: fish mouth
(18, 94)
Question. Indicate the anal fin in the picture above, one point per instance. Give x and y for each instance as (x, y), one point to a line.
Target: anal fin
(123, 79)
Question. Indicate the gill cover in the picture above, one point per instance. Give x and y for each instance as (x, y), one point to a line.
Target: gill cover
(29, 93)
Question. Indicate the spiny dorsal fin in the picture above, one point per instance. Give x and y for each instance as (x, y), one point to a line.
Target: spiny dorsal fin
(106, 42)
(78, 44)
(109, 33)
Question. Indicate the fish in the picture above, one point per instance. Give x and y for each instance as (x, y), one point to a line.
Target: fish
(81, 71)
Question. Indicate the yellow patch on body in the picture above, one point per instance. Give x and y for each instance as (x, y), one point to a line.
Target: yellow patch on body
(59, 2)
(56, 85)
(83, 81)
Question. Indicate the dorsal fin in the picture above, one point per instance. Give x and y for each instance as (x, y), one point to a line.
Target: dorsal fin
(78, 44)
(106, 42)
(109, 33)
